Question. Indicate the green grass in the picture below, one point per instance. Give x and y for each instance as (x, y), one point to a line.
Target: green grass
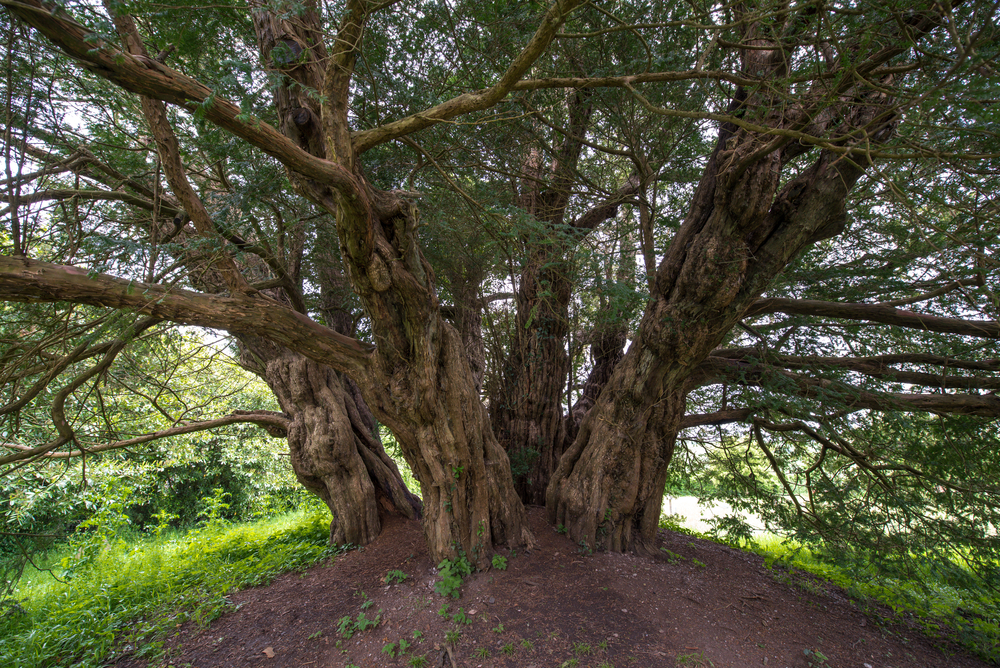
(943, 598)
(138, 591)
(971, 615)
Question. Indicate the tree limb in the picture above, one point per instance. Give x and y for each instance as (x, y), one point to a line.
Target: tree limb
(876, 313)
(479, 100)
(25, 280)
(148, 77)
(275, 424)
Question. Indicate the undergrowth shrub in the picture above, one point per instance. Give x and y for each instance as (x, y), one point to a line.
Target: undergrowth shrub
(127, 594)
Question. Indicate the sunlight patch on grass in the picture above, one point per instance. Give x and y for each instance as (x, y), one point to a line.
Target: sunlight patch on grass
(133, 592)
(942, 598)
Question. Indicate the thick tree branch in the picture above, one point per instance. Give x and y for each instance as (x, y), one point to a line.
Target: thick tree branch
(170, 157)
(62, 194)
(844, 394)
(718, 417)
(151, 78)
(24, 280)
(875, 313)
(879, 367)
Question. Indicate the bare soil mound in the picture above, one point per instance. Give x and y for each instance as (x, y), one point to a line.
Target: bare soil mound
(707, 605)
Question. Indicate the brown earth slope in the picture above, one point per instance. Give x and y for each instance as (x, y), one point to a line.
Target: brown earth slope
(708, 605)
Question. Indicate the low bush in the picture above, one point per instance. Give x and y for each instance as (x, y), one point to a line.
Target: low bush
(127, 594)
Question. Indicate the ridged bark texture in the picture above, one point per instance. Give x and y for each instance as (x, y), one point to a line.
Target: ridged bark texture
(335, 451)
(741, 230)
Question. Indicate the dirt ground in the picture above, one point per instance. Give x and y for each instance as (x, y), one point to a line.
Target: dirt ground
(707, 605)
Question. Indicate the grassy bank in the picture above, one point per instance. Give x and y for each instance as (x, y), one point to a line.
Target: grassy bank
(944, 598)
(134, 592)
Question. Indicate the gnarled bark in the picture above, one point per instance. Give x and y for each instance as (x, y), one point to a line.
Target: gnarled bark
(740, 231)
(527, 409)
(419, 382)
(335, 451)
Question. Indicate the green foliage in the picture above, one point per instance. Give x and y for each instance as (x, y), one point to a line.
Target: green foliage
(694, 660)
(395, 577)
(815, 658)
(348, 626)
(499, 562)
(461, 618)
(452, 571)
(168, 479)
(944, 597)
(136, 591)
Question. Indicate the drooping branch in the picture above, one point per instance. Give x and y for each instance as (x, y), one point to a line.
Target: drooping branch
(25, 280)
(62, 194)
(717, 418)
(275, 424)
(57, 410)
(844, 394)
(876, 313)
(880, 367)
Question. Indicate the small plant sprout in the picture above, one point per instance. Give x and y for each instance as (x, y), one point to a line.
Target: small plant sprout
(418, 635)
(315, 635)
(461, 618)
(603, 645)
(499, 562)
(443, 610)
(581, 648)
(348, 626)
(508, 649)
(452, 636)
(395, 577)
(345, 625)
(671, 557)
(418, 661)
(694, 660)
(498, 628)
(815, 659)
(389, 650)
(481, 653)
(526, 644)
(452, 571)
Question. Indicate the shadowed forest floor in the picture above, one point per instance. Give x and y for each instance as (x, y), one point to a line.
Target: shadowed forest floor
(705, 605)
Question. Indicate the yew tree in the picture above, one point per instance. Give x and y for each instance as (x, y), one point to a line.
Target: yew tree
(260, 170)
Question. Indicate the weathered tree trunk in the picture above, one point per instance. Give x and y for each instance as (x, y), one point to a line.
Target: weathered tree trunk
(606, 351)
(740, 231)
(527, 412)
(419, 381)
(527, 409)
(443, 429)
(335, 450)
